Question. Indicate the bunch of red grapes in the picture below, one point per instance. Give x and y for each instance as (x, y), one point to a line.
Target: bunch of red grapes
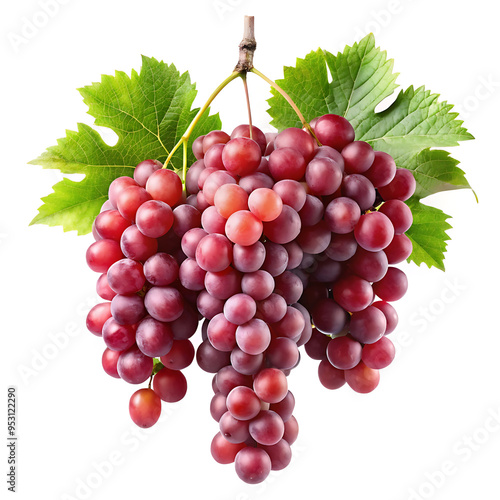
(276, 242)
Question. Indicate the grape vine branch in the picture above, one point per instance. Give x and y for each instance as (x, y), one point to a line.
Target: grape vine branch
(247, 48)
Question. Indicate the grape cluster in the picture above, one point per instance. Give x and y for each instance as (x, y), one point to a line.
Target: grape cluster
(275, 242)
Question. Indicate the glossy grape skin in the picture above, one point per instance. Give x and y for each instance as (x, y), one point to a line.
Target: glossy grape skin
(352, 293)
(392, 286)
(109, 362)
(210, 359)
(276, 258)
(133, 366)
(317, 345)
(227, 378)
(180, 355)
(127, 309)
(362, 379)
(136, 246)
(214, 181)
(213, 157)
(240, 308)
(374, 231)
(265, 204)
(214, 253)
(285, 228)
(259, 284)
(117, 186)
(289, 286)
(399, 214)
(252, 465)
(371, 266)
(368, 326)
(253, 337)
(144, 170)
(358, 157)
(233, 430)
(292, 193)
(248, 259)
(272, 309)
(164, 303)
(118, 337)
(154, 218)
(214, 137)
(126, 276)
(314, 239)
(390, 314)
(191, 275)
(279, 453)
(282, 353)
(110, 224)
(243, 403)
(221, 333)
(399, 249)
(267, 428)
(344, 352)
(382, 170)
(246, 364)
(341, 215)
(224, 452)
(358, 188)
(379, 354)
(342, 247)
(230, 198)
(218, 406)
(161, 269)
(165, 185)
(287, 163)
(257, 135)
(298, 139)
(154, 338)
(271, 385)
(208, 306)
(312, 211)
(330, 377)
(285, 407)
(102, 254)
(170, 385)
(328, 316)
(241, 156)
(145, 408)
(323, 176)
(334, 131)
(401, 187)
(223, 284)
(192, 176)
(243, 228)
(103, 289)
(291, 430)
(97, 317)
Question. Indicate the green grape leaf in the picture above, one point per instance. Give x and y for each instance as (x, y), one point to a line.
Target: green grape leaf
(149, 111)
(354, 84)
(428, 234)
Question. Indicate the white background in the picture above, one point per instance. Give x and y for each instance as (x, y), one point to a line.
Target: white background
(437, 407)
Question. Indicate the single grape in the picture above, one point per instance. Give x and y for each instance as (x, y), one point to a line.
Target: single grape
(323, 176)
(243, 228)
(128, 309)
(382, 170)
(233, 430)
(110, 224)
(341, 215)
(279, 453)
(392, 286)
(117, 186)
(97, 316)
(344, 352)
(243, 403)
(214, 137)
(221, 333)
(292, 193)
(399, 249)
(164, 303)
(109, 362)
(210, 359)
(287, 163)
(165, 185)
(247, 364)
(154, 338)
(330, 377)
(224, 452)
(285, 228)
(334, 131)
(230, 198)
(252, 465)
(145, 408)
(352, 293)
(241, 156)
(399, 213)
(161, 269)
(291, 430)
(270, 385)
(390, 314)
(358, 157)
(267, 428)
(401, 187)
(214, 253)
(170, 385)
(379, 354)
(253, 337)
(154, 218)
(374, 231)
(129, 200)
(118, 337)
(126, 276)
(265, 204)
(136, 246)
(133, 366)
(328, 316)
(102, 254)
(223, 284)
(368, 326)
(362, 379)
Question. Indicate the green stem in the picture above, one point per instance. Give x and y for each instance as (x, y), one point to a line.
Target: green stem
(184, 139)
(288, 99)
(249, 109)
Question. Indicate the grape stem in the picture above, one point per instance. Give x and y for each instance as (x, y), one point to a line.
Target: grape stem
(273, 84)
(185, 137)
(249, 108)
